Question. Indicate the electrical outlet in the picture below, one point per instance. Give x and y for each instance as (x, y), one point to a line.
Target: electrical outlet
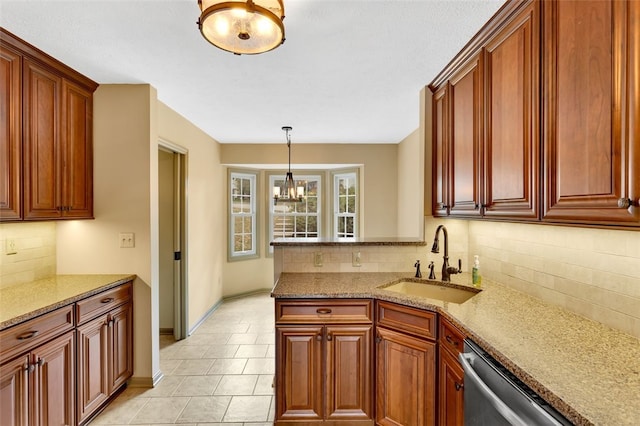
(318, 259)
(10, 247)
(127, 240)
(356, 260)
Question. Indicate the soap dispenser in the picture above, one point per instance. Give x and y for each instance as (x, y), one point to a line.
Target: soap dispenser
(476, 278)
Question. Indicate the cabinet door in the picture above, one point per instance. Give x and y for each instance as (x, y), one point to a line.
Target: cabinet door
(511, 154)
(299, 381)
(42, 94)
(440, 152)
(14, 392)
(10, 134)
(54, 378)
(349, 373)
(93, 380)
(451, 390)
(465, 96)
(405, 391)
(591, 136)
(120, 352)
(76, 151)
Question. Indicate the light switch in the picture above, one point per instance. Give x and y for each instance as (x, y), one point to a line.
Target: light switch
(356, 260)
(11, 247)
(317, 259)
(127, 240)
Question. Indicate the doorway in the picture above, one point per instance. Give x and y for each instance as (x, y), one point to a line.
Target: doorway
(172, 253)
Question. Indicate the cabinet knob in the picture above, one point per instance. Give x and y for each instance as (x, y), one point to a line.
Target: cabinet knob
(459, 386)
(624, 203)
(329, 337)
(319, 337)
(323, 310)
(450, 340)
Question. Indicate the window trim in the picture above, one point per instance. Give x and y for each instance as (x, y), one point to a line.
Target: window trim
(335, 175)
(308, 175)
(253, 175)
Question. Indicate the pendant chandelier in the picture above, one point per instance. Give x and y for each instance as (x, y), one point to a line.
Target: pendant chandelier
(292, 194)
(242, 27)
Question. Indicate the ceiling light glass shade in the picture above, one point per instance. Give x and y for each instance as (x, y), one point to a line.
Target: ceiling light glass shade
(292, 194)
(242, 27)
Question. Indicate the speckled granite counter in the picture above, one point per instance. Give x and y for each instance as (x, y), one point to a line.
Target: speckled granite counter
(22, 302)
(587, 371)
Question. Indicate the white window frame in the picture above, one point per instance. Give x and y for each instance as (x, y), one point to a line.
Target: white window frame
(272, 205)
(337, 214)
(251, 253)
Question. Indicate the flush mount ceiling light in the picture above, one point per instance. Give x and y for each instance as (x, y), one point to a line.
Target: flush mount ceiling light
(242, 27)
(292, 194)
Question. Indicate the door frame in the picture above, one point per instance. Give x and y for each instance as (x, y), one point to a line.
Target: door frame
(180, 276)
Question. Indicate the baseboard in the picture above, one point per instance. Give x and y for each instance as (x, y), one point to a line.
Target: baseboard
(248, 293)
(166, 331)
(145, 382)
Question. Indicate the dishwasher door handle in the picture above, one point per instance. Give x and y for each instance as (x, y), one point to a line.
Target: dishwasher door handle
(492, 398)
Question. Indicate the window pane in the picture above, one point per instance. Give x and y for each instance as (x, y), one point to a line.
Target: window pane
(248, 229)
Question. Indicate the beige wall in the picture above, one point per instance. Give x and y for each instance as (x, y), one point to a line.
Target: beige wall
(36, 252)
(125, 178)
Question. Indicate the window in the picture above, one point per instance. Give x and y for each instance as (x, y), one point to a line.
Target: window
(301, 219)
(242, 215)
(345, 205)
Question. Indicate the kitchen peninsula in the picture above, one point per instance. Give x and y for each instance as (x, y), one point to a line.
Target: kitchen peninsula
(587, 371)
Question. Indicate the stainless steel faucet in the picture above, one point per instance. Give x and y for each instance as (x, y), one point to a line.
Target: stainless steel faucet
(447, 270)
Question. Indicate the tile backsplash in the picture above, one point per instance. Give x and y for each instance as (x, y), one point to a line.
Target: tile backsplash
(35, 257)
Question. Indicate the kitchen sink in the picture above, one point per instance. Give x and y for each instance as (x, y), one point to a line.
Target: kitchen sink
(433, 290)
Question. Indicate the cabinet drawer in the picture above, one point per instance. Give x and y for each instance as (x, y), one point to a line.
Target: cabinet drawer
(26, 336)
(450, 337)
(404, 318)
(324, 311)
(103, 302)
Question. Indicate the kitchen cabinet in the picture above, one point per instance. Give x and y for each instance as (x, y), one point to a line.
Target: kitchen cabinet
(105, 347)
(591, 111)
(440, 139)
(47, 144)
(37, 371)
(405, 365)
(510, 174)
(450, 375)
(324, 353)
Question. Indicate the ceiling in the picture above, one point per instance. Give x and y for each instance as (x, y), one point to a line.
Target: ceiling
(350, 71)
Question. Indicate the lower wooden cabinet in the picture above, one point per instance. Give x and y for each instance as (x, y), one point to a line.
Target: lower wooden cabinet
(324, 370)
(105, 352)
(37, 388)
(450, 375)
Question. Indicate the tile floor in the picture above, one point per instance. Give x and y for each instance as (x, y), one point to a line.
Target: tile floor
(220, 375)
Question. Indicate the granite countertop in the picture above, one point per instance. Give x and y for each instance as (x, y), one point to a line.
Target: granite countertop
(586, 370)
(319, 242)
(21, 302)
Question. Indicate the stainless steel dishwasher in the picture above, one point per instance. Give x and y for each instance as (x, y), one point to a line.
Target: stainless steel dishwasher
(494, 397)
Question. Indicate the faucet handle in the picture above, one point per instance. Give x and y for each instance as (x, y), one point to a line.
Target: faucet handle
(453, 270)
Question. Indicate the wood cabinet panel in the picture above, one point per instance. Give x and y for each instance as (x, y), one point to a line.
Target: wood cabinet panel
(93, 361)
(55, 382)
(299, 380)
(349, 373)
(511, 143)
(344, 311)
(103, 302)
(405, 391)
(465, 96)
(10, 134)
(590, 140)
(14, 392)
(121, 346)
(440, 152)
(451, 390)
(406, 319)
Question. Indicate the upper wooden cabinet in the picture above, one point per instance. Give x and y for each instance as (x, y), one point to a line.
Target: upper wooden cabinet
(551, 133)
(46, 141)
(591, 102)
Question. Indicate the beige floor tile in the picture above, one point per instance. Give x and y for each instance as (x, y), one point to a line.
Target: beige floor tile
(251, 351)
(236, 384)
(186, 352)
(271, 352)
(120, 412)
(205, 409)
(193, 367)
(166, 387)
(248, 409)
(260, 366)
(266, 338)
(228, 366)
(243, 338)
(207, 339)
(264, 385)
(160, 410)
(198, 385)
(221, 351)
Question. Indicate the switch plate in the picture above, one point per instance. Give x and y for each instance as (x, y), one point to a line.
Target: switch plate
(127, 240)
(10, 247)
(318, 259)
(356, 259)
